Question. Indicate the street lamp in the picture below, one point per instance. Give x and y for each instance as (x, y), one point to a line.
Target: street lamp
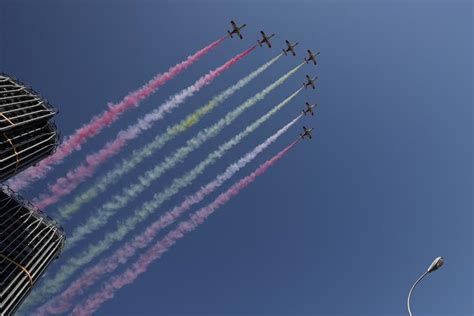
(435, 265)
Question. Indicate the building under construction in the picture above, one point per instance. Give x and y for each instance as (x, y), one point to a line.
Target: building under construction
(27, 134)
(29, 242)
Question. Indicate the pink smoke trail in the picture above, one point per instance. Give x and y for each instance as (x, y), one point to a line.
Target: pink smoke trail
(62, 302)
(73, 178)
(114, 284)
(80, 136)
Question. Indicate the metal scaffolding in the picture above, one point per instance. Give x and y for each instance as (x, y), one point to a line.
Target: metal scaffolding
(29, 242)
(20, 105)
(27, 134)
(24, 147)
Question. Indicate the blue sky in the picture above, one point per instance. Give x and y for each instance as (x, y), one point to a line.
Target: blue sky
(346, 222)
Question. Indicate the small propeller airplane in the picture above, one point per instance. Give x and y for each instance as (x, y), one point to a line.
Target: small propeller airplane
(291, 48)
(312, 57)
(265, 39)
(309, 108)
(306, 132)
(310, 82)
(236, 29)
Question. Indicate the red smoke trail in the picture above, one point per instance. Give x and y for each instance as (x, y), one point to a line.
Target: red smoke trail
(73, 178)
(114, 284)
(79, 137)
(62, 302)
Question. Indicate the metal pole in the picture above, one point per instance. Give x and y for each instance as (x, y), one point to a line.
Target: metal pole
(411, 291)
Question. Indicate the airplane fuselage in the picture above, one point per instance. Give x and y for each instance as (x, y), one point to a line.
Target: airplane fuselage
(265, 39)
(236, 29)
(306, 135)
(307, 132)
(308, 111)
(309, 84)
(312, 57)
(290, 48)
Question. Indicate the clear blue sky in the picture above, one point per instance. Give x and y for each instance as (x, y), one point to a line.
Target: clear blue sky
(346, 222)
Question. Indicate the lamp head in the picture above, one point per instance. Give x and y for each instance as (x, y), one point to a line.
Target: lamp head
(436, 264)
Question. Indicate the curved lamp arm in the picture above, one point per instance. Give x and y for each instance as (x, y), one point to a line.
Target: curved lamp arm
(435, 265)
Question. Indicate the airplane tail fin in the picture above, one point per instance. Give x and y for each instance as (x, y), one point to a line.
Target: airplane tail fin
(306, 60)
(259, 43)
(230, 34)
(284, 52)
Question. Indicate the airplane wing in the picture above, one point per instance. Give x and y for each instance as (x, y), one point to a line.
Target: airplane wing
(269, 45)
(240, 35)
(287, 43)
(293, 52)
(309, 135)
(233, 24)
(308, 77)
(263, 34)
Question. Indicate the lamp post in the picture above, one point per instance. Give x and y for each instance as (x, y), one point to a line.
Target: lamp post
(435, 265)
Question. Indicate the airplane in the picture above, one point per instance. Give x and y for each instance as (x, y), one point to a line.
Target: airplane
(291, 48)
(265, 39)
(310, 82)
(306, 132)
(309, 108)
(312, 57)
(236, 29)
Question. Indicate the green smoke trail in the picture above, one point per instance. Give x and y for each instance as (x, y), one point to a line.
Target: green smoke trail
(103, 183)
(129, 193)
(54, 285)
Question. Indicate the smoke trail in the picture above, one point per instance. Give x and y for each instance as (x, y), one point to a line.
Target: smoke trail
(129, 193)
(62, 302)
(80, 136)
(138, 156)
(107, 292)
(54, 285)
(66, 185)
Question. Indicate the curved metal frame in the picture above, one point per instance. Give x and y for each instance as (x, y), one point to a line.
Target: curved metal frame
(411, 291)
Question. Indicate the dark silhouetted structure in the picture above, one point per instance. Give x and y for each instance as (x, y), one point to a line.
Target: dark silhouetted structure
(26, 133)
(29, 242)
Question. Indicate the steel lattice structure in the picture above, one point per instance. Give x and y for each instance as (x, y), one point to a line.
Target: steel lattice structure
(27, 134)
(29, 242)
